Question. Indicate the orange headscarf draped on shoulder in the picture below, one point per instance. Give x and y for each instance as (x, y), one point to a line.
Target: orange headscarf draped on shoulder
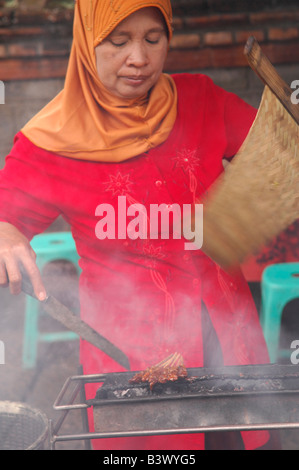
(85, 121)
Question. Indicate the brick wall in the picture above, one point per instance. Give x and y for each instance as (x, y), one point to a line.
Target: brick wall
(217, 40)
(209, 36)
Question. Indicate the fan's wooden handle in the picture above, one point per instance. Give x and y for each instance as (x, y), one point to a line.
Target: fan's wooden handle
(268, 74)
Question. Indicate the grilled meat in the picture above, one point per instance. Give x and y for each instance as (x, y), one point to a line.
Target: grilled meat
(169, 370)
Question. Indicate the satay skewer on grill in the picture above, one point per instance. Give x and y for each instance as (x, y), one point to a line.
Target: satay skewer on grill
(169, 370)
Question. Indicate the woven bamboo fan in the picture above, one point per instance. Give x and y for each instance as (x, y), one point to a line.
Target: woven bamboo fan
(258, 195)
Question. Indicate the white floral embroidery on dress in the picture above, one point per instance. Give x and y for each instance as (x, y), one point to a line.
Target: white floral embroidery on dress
(119, 184)
(153, 254)
(188, 160)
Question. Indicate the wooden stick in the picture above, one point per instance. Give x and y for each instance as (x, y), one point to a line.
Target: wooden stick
(268, 74)
(174, 360)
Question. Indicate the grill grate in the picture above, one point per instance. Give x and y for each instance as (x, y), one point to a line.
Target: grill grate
(263, 397)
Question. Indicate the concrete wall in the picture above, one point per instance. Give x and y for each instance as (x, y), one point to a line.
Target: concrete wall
(24, 98)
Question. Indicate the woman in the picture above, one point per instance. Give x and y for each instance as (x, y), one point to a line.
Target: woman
(122, 129)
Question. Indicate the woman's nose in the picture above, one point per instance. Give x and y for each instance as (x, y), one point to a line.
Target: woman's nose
(138, 55)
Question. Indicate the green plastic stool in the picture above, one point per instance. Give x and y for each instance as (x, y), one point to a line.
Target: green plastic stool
(279, 285)
(48, 247)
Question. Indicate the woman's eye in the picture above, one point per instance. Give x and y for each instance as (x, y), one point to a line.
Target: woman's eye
(118, 44)
(152, 41)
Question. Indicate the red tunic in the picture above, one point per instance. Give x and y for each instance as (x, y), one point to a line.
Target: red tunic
(146, 295)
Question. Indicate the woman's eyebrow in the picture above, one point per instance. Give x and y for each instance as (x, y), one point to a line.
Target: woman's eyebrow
(127, 33)
(119, 33)
(156, 30)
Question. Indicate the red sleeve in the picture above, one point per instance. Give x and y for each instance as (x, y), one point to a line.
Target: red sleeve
(215, 108)
(23, 192)
(238, 117)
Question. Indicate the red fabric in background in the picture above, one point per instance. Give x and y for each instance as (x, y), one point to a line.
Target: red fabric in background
(284, 249)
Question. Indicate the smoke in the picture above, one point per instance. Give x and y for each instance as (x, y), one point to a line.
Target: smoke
(39, 385)
(116, 301)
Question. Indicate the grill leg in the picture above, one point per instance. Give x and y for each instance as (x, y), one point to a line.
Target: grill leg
(87, 442)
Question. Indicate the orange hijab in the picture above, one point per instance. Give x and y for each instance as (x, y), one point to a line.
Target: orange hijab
(85, 121)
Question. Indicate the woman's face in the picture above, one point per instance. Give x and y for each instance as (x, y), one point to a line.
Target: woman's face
(131, 59)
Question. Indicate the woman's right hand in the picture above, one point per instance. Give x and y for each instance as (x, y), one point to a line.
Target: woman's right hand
(16, 253)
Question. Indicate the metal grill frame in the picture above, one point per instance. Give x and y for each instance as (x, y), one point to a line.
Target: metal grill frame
(78, 382)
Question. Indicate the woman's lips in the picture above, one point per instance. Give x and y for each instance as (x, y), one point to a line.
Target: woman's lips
(135, 80)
